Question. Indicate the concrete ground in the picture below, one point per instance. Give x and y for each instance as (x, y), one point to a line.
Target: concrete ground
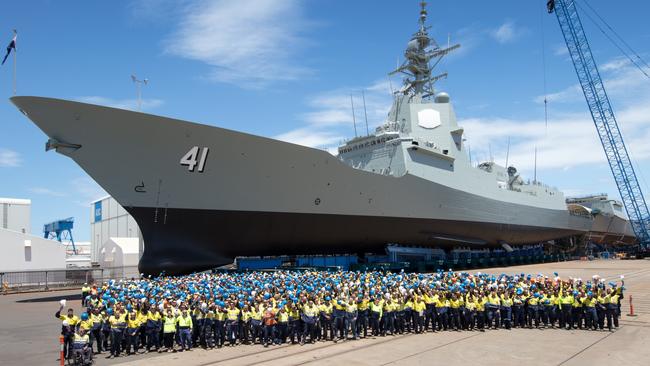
(29, 335)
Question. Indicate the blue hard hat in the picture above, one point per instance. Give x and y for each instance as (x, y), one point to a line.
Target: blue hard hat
(84, 316)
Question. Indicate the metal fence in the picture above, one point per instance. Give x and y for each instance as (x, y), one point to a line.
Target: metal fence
(62, 278)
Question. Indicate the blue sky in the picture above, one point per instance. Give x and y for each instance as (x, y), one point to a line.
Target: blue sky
(286, 68)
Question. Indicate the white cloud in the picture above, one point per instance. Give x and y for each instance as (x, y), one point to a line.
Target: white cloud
(507, 32)
(247, 43)
(47, 192)
(9, 159)
(570, 140)
(310, 137)
(86, 190)
(615, 64)
(131, 104)
(560, 50)
(330, 120)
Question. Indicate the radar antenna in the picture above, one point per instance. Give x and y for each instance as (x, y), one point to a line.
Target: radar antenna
(422, 55)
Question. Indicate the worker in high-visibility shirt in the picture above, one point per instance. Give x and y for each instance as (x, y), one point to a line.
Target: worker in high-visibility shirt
(232, 324)
(601, 308)
(141, 315)
(362, 317)
(81, 346)
(185, 325)
(339, 318)
(589, 303)
(611, 309)
(118, 326)
(132, 333)
(480, 312)
(85, 292)
(429, 312)
(169, 330)
(256, 325)
(326, 320)
(375, 315)
(506, 310)
(519, 307)
(442, 309)
(454, 312)
(566, 306)
(470, 310)
(310, 313)
(85, 323)
(351, 314)
(533, 309)
(403, 322)
(549, 303)
(419, 308)
(96, 334)
(246, 328)
(492, 309)
(283, 325)
(388, 315)
(153, 324)
(577, 315)
(69, 322)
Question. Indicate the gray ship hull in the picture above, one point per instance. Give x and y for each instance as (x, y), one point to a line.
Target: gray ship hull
(611, 229)
(259, 196)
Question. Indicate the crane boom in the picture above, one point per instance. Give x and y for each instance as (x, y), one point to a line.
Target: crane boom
(603, 116)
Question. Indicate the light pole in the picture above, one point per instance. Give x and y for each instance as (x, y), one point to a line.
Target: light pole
(139, 84)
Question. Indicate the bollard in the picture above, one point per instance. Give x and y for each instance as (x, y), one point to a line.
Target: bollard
(62, 355)
(631, 308)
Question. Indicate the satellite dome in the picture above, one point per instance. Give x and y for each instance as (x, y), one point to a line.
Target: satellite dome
(412, 45)
(442, 98)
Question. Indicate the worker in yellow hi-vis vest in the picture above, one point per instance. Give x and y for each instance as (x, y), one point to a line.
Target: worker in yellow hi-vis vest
(184, 323)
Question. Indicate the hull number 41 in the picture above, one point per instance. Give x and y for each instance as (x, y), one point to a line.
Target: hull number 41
(196, 156)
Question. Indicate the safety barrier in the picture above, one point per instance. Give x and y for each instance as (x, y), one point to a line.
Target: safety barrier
(62, 350)
(61, 278)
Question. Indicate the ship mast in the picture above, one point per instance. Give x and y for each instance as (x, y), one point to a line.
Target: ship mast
(422, 55)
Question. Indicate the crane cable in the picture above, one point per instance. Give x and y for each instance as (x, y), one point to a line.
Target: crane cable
(543, 13)
(636, 166)
(618, 36)
(609, 37)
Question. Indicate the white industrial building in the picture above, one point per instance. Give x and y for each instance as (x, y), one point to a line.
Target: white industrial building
(15, 214)
(22, 251)
(110, 226)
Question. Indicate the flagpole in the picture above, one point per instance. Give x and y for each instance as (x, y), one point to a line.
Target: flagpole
(14, 71)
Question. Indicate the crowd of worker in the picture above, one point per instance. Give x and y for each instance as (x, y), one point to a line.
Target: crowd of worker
(208, 310)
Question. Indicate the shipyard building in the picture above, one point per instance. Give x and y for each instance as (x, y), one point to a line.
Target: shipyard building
(116, 240)
(21, 250)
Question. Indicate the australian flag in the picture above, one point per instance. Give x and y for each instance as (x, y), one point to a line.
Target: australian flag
(12, 45)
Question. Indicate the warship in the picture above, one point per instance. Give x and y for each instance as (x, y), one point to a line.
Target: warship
(610, 224)
(203, 195)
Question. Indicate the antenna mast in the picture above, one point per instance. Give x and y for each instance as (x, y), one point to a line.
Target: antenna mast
(421, 51)
(535, 174)
(363, 94)
(508, 152)
(354, 118)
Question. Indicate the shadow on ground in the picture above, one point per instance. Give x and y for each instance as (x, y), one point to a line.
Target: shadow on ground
(51, 298)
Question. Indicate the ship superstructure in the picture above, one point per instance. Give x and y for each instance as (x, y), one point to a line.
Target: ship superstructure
(421, 136)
